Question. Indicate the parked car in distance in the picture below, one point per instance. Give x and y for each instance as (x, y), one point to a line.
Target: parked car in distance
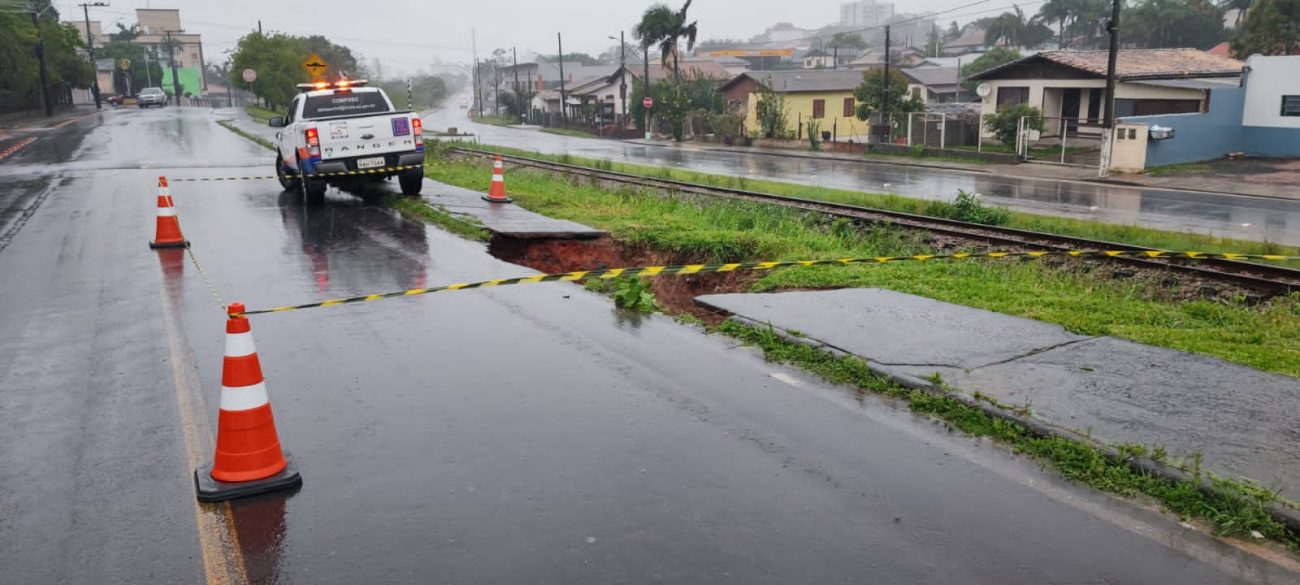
(152, 96)
(114, 100)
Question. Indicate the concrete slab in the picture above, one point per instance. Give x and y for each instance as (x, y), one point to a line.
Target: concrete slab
(1242, 421)
(506, 219)
(897, 329)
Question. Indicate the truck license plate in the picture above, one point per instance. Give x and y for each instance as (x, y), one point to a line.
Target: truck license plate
(370, 163)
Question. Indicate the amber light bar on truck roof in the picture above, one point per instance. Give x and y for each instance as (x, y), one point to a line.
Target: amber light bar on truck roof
(340, 84)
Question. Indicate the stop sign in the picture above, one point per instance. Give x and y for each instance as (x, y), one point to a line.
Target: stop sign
(648, 102)
(250, 76)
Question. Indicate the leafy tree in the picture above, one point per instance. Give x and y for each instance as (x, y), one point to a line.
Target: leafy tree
(719, 44)
(427, 91)
(1063, 13)
(277, 58)
(871, 97)
(953, 31)
(125, 33)
(1176, 23)
(1272, 27)
(814, 127)
(772, 114)
(847, 40)
(20, 85)
(992, 58)
(934, 44)
(142, 70)
(666, 27)
(579, 58)
(1006, 124)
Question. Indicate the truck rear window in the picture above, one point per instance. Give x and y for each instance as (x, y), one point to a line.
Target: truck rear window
(344, 104)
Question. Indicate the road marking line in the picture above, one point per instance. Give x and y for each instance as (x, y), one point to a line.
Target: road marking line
(223, 560)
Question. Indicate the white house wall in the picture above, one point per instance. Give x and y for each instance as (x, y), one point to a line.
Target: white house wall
(1269, 79)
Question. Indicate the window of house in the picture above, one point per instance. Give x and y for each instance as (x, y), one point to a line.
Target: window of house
(1291, 105)
(850, 107)
(1012, 96)
(819, 108)
(916, 93)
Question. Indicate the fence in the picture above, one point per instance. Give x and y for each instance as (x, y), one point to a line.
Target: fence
(1058, 140)
(942, 130)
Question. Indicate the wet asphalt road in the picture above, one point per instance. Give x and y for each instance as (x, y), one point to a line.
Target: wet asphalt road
(516, 435)
(1234, 216)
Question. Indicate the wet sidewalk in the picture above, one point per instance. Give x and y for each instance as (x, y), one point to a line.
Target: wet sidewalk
(1240, 420)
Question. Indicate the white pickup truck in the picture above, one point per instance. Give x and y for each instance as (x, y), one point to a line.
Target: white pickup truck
(345, 126)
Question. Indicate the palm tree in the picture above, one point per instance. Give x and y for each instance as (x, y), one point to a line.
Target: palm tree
(666, 27)
(1063, 13)
(1006, 28)
(1241, 6)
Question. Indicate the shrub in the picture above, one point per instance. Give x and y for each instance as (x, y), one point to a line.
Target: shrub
(1005, 124)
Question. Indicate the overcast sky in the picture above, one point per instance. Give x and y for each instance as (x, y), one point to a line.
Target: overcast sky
(406, 34)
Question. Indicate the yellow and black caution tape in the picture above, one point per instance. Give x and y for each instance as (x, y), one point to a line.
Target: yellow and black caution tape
(378, 171)
(688, 269)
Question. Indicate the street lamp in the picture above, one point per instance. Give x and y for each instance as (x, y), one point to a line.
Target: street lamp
(90, 46)
(622, 79)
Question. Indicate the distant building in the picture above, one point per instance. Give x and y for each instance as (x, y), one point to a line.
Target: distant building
(935, 85)
(1068, 86)
(865, 13)
(821, 95)
(818, 59)
(1258, 117)
(155, 24)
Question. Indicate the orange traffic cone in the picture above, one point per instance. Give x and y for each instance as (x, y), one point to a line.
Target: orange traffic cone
(168, 233)
(497, 194)
(248, 460)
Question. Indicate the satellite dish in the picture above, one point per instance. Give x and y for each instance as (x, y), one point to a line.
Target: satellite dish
(983, 90)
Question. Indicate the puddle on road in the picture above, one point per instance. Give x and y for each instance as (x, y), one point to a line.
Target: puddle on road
(676, 294)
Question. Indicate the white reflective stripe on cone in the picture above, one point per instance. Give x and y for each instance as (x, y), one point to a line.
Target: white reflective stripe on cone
(498, 179)
(245, 398)
(166, 212)
(239, 344)
(164, 192)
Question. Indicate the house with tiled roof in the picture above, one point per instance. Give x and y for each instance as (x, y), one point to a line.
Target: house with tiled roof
(822, 95)
(1069, 86)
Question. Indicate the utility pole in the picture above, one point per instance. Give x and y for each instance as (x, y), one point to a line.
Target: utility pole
(478, 78)
(496, 87)
(40, 56)
(622, 78)
(564, 116)
(1108, 122)
(514, 60)
(884, 101)
(90, 46)
(259, 27)
(645, 87)
(171, 56)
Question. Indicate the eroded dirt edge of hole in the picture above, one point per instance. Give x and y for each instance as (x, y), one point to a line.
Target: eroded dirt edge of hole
(676, 294)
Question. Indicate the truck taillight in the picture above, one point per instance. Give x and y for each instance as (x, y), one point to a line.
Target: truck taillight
(418, 126)
(313, 142)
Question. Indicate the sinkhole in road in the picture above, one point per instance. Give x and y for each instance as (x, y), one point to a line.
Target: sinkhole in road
(675, 294)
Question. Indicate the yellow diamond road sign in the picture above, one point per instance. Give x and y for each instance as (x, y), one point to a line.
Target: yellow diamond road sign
(316, 67)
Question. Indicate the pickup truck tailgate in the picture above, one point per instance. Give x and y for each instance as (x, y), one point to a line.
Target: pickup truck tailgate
(380, 134)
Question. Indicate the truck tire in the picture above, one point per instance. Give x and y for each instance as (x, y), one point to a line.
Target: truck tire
(411, 181)
(287, 181)
(312, 189)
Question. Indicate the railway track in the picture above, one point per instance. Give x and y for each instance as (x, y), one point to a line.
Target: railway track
(1261, 278)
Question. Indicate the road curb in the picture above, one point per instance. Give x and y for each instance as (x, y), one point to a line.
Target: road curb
(1286, 515)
